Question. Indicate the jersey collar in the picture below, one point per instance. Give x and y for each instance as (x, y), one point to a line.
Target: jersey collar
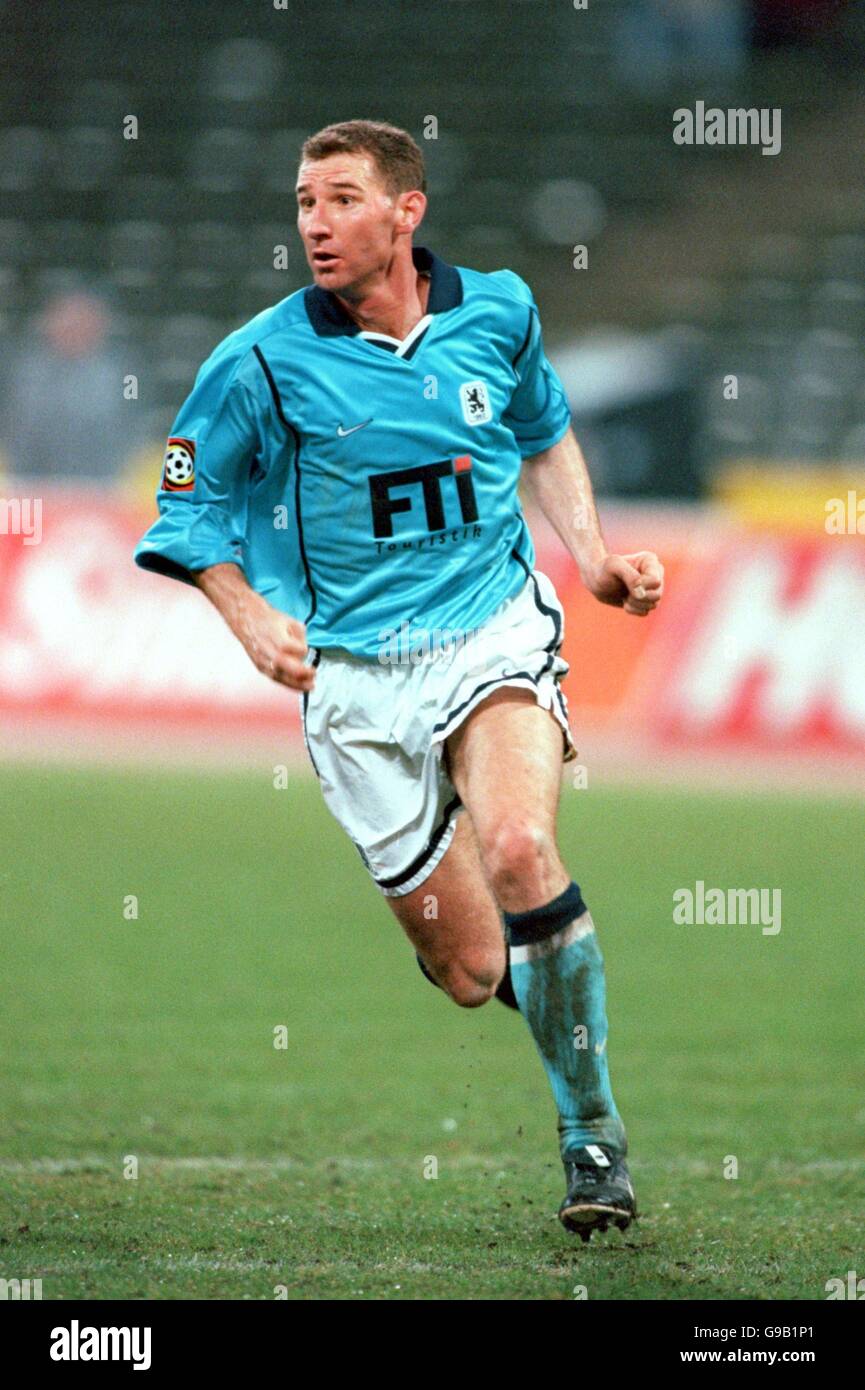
(330, 320)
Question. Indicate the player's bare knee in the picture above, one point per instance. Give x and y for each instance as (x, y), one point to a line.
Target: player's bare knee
(473, 980)
(468, 994)
(518, 855)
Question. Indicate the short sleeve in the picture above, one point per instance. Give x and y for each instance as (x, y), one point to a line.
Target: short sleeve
(538, 411)
(203, 491)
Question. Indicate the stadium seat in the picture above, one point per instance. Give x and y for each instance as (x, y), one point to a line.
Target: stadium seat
(743, 424)
(281, 151)
(839, 305)
(28, 158)
(843, 257)
(241, 70)
(836, 356)
(259, 242)
(87, 158)
(447, 158)
(141, 246)
(763, 352)
(209, 246)
(489, 248)
(146, 198)
(769, 304)
(851, 445)
(11, 293)
(70, 243)
(779, 257)
(141, 293)
(815, 412)
(259, 289)
(210, 293)
(223, 160)
(94, 101)
(48, 282)
(189, 337)
(696, 300)
(566, 211)
(17, 244)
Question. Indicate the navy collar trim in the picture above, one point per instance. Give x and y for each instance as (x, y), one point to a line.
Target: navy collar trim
(330, 320)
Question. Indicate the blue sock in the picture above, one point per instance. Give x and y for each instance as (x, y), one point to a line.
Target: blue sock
(558, 978)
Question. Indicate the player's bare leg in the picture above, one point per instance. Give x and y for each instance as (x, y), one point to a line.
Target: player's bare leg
(452, 919)
(505, 761)
(453, 922)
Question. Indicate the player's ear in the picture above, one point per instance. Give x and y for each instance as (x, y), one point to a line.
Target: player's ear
(411, 209)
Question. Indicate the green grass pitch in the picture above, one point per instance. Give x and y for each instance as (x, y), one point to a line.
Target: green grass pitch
(303, 1167)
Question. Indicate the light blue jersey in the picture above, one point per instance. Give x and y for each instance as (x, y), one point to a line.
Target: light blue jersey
(362, 483)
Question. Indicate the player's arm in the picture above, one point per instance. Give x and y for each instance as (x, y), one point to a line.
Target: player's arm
(557, 479)
(200, 536)
(275, 643)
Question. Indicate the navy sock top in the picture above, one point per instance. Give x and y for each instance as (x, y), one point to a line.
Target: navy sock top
(541, 922)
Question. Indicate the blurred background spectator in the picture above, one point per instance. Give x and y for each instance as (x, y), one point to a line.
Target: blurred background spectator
(660, 41)
(63, 407)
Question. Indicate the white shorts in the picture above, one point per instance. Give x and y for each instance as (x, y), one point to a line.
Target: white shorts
(375, 732)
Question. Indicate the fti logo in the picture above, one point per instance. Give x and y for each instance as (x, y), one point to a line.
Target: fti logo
(425, 482)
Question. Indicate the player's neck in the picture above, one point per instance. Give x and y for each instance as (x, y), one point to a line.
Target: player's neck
(394, 305)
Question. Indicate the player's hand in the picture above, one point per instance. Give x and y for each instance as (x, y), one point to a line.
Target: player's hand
(276, 644)
(632, 582)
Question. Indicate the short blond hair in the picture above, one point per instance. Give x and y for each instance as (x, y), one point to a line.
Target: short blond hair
(397, 156)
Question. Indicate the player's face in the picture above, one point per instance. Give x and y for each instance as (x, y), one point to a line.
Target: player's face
(347, 220)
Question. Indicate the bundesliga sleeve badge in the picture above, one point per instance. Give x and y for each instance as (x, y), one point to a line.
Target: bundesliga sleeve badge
(178, 469)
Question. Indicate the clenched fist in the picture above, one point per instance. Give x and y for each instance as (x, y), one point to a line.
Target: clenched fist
(633, 582)
(274, 642)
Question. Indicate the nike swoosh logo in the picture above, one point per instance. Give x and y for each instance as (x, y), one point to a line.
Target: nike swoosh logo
(599, 1047)
(342, 433)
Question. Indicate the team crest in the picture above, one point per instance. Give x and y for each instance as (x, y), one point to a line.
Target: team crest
(178, 471)
(475, 400)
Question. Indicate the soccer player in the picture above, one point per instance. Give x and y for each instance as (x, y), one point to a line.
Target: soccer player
(342, 485)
